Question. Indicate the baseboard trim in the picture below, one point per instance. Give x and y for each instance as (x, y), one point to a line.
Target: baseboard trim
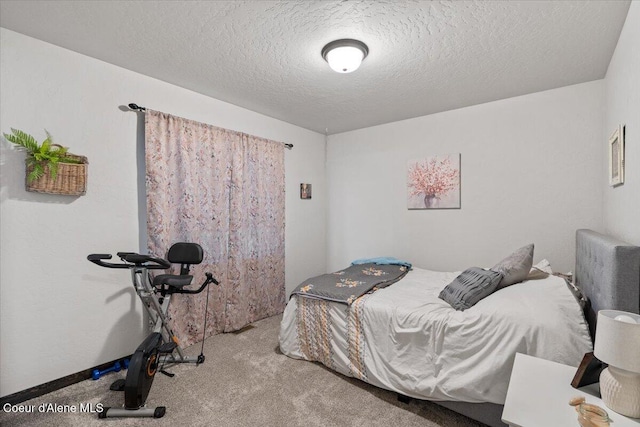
(54, 385)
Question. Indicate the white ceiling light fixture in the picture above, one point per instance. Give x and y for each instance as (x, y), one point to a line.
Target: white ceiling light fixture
(345, 55)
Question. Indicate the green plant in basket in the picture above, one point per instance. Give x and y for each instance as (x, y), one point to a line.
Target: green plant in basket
(40, 157)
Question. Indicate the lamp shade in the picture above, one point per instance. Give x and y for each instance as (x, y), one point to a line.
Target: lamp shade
(618, 339)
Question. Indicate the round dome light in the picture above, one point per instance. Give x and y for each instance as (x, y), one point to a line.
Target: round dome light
(345, 55)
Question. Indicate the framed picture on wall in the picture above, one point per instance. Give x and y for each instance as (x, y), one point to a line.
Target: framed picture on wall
(434, 182)
(305, 191)
(616, 157)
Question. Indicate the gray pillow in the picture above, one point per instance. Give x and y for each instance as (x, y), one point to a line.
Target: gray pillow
(469, 287)
(515, 267)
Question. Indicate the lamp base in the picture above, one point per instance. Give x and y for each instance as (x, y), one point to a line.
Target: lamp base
(620, 391)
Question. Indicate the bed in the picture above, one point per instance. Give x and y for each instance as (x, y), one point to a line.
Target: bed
(405, 339)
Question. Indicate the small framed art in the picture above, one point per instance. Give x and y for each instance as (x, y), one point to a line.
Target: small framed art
(616, 157)
(305, 191)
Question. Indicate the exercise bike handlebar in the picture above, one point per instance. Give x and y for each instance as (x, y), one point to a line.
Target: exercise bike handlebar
(131, 260)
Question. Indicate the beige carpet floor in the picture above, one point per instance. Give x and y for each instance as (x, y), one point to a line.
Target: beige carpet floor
(246, 381)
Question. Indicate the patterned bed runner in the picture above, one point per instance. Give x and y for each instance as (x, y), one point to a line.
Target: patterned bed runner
(314, 330)
(355, 339)
(351, 286)
(315, 337)
(347, 285)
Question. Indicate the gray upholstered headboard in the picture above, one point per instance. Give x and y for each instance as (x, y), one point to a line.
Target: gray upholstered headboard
(608, 273)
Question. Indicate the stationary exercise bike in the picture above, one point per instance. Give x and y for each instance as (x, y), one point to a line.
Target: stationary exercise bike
(161, 346)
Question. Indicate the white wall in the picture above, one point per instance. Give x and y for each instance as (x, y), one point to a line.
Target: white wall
(59, 314)
(530, 172)
(622, 83)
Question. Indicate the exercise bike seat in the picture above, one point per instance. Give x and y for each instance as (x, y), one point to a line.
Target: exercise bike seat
(185, 254)
(173, 280)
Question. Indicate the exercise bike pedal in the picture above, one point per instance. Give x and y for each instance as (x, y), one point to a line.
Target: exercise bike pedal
(169, 374)
(117, 385)
(167, 347)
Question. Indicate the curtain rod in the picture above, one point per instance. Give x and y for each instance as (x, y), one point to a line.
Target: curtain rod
(136, 107)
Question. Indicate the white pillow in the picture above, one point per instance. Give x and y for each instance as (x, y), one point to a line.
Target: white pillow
(515, 267)
(540, 271)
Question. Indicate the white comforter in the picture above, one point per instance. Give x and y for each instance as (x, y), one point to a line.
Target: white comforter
(415, 344)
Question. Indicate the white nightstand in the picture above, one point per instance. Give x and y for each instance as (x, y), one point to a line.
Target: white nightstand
(539, 394)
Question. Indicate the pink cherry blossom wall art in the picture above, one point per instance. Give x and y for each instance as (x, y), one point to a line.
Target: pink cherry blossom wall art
(434, 182)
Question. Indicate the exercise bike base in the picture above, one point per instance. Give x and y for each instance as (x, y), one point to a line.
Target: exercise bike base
(173, 359)
(133, 413)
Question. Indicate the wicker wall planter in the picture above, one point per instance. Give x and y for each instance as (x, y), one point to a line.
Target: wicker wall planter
(71, 179)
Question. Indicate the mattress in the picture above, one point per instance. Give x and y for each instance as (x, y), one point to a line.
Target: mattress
(405, 339)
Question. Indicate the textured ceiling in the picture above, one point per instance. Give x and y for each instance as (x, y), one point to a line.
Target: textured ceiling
(425, 56)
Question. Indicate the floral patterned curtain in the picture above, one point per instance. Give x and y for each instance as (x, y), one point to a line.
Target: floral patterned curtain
(224, 190)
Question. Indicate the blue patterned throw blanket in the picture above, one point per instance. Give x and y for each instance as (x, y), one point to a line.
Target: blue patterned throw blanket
(347, 285)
